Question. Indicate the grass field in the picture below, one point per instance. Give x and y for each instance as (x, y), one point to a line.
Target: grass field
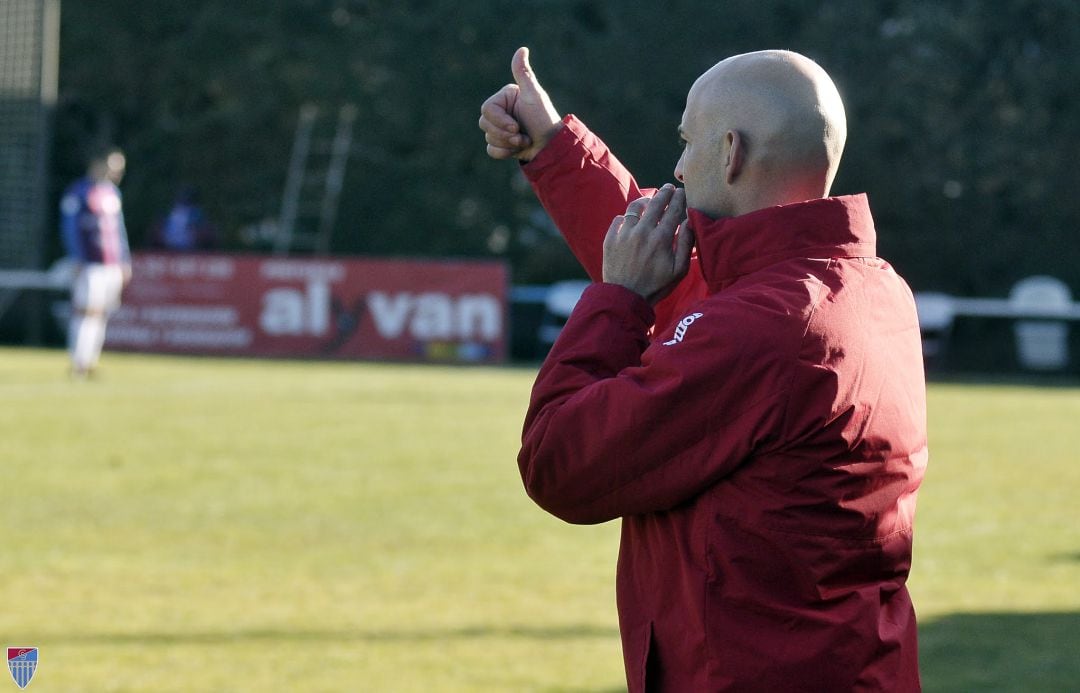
(208, 525)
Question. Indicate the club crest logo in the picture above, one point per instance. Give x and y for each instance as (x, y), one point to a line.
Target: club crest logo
(22, 663)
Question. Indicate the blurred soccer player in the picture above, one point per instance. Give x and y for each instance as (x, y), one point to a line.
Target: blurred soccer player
(92, 226)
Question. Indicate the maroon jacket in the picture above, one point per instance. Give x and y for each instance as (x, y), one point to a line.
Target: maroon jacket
(764, 449)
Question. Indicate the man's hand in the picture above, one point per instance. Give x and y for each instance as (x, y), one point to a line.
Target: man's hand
(519, 119)
(647, 250)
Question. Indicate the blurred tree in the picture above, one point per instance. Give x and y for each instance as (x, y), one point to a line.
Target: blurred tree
(960, 124)
(960, 117)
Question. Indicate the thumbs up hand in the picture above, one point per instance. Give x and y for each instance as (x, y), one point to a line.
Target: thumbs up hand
(519, 119)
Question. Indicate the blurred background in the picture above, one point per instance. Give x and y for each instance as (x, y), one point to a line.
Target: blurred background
(962, 123)
(319, 524)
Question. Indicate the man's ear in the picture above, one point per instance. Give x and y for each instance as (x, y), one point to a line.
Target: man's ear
(736, 155)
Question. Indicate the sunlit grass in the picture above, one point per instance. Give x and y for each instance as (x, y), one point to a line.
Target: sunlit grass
(211, 525)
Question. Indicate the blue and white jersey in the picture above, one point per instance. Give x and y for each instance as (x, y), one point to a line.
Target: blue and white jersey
(92, 223)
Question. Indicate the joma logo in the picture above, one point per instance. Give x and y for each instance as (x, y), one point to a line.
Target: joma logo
(680, 329)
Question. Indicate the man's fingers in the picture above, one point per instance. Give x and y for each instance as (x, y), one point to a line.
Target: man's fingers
(498, 108)
(501, 132)
(684, 245)
(662, 235)
(637, 207)
(501, 138)
(676, 209)
(651, 254)
(523, 73)
(611, 240)
(650, 210)
(613, 231)
(502, 152)
(657, 205)
(522, 107)
(490, 126)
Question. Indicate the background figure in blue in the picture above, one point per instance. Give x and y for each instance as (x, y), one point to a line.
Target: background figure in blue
(185, 228)
(92, 224)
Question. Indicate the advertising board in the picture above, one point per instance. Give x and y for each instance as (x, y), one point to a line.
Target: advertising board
(404, 309)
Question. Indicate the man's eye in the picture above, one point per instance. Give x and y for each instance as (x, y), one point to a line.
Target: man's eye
(682, 143)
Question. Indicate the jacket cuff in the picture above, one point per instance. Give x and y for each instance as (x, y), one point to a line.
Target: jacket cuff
(607, 332)
(608, 307)
(633, 311)
(573, 135)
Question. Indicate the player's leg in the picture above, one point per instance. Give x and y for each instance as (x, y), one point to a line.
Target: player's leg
(77, 323)
(87, 345)
(107, 288)
(86, 331)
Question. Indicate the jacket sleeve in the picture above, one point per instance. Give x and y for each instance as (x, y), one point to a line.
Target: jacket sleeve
(617, 427)
(70, 208)
(583, 187)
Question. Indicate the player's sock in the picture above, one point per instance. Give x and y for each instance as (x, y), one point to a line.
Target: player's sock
(87, 343)
(99, 341)
(75, 334)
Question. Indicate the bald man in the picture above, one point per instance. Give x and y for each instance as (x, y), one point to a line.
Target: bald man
(742, 385)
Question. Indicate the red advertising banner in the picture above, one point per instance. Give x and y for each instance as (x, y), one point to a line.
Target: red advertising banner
(426, 310)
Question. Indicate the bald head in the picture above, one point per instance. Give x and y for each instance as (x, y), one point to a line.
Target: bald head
(774, 125)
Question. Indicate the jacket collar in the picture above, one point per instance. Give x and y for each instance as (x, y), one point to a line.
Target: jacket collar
(730, 247)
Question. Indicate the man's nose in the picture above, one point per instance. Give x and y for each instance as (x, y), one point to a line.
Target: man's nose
(679, 168)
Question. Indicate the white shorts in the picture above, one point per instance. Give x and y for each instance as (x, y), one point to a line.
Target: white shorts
(97, 288)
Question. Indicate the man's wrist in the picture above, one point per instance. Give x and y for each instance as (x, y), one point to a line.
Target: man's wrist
(637, 304)
(559, 141)
(539, 145)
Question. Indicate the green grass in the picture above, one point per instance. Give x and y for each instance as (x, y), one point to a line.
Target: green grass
(996, 577)
(283, 526)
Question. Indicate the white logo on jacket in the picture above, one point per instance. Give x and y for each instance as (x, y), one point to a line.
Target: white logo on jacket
(680, 329)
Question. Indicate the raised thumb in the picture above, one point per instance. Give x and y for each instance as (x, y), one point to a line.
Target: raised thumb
(524, 76)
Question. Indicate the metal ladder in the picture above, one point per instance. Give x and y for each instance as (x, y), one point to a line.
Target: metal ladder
(306, 221)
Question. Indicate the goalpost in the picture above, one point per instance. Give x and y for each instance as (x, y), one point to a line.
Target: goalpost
(29, 56)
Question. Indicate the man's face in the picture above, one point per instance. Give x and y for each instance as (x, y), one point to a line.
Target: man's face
(115, 165)
(110, 167)
(701, 167)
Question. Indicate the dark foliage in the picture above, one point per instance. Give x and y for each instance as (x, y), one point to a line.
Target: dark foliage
(962, 123)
